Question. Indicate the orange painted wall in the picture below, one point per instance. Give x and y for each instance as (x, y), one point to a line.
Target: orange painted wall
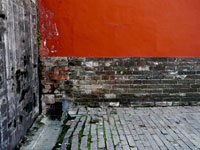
(119, 28)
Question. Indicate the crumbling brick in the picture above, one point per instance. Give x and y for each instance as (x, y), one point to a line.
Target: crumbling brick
(131, 81)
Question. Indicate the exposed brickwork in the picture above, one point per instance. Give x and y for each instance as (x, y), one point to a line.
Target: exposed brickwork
(131, 81)
(18, 70)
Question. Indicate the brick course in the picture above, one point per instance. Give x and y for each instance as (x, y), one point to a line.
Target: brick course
(131, 81)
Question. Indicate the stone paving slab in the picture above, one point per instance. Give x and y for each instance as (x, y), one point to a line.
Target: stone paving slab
(45, 137)
(156, 128)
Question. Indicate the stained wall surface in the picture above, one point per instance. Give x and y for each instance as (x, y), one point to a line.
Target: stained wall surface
(110, 28)
(136, 52)
(19, 100)
(130, 81)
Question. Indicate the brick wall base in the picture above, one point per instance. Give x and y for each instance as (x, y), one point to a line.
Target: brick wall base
(130, 81)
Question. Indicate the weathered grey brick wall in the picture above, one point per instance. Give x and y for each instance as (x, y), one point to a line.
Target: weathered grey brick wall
(18, 70)
(130, 81)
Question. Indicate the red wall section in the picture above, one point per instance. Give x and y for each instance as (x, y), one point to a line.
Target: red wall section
(119, 28)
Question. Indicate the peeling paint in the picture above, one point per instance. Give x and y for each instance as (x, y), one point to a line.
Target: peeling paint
(118, 28)
(48, 30)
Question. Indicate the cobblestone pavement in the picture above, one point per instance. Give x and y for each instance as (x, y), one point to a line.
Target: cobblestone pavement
(158, 128)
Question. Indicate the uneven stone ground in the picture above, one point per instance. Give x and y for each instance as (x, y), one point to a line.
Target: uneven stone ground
(42, 135)
(158, 128)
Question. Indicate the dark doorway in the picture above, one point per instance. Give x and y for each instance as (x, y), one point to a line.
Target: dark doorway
(55, 111)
